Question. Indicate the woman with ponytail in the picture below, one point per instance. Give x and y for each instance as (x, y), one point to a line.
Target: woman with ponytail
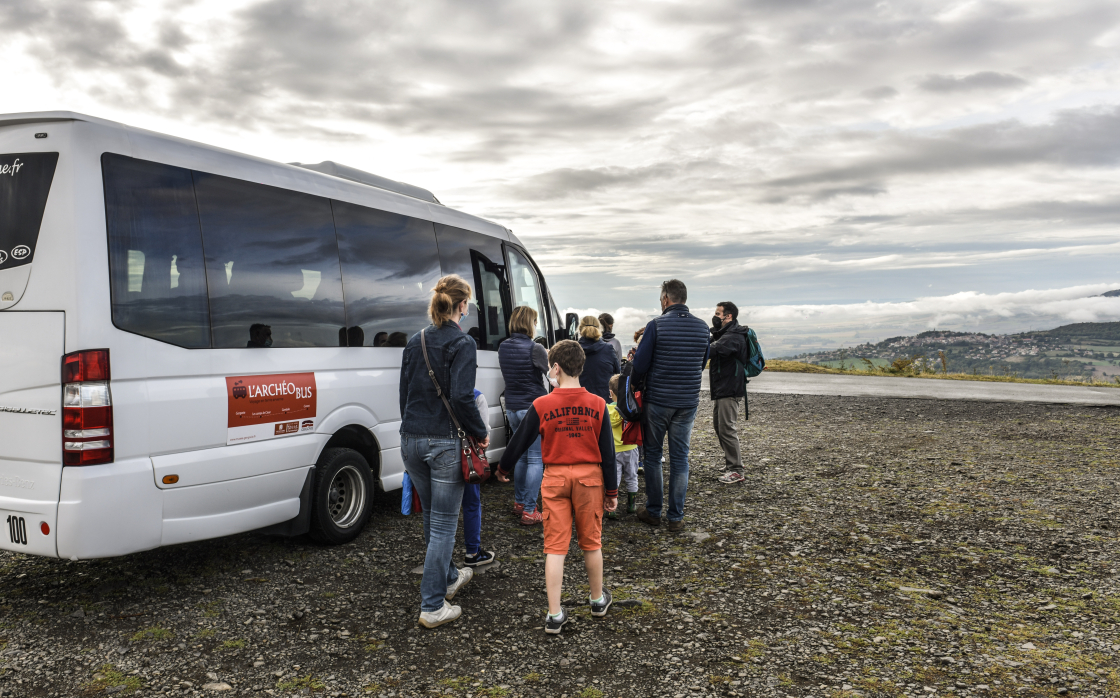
(602, 361)
(430, 443)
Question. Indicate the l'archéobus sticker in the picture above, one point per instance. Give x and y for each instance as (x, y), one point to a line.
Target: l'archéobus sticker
(269, 407)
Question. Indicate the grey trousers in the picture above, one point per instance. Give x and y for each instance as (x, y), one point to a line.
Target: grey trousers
(725, 418)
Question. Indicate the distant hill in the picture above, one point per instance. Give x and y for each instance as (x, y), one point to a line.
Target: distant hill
(1087, 330)
(1079, 350)
(1111, 294)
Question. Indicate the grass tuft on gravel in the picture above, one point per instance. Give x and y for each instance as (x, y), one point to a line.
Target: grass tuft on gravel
(785, 366)
(108, 677)
(310, 682)
(153, 633)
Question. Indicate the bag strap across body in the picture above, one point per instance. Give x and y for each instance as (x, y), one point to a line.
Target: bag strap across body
(439, 390)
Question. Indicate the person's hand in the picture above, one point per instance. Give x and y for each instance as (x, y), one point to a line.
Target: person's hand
(500, 476)
(610, 504)
(485, 443)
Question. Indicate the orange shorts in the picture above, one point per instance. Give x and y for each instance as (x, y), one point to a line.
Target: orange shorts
(568, 490)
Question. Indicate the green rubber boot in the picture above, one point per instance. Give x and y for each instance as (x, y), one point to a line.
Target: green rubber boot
(631, 502)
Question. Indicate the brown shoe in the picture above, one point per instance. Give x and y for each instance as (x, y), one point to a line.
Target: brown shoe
(675, 526)
(648, 518)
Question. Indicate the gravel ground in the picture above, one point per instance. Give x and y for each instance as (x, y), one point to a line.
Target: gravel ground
(878, 547)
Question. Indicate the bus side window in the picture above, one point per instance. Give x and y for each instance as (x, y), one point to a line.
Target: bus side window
(478, 259)
(389, 266)
(525, 288)
(271, 259)
(156, 276)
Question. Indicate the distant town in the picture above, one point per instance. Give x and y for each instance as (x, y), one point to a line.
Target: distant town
(1082, 350)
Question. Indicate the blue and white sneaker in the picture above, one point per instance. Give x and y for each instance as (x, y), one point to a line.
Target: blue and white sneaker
(552, 625)
(600, 609)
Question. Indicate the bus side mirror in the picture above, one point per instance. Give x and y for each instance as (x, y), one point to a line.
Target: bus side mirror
(572, 321)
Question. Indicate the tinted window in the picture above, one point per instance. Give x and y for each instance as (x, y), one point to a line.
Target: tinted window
(271, 259)
(478, 259)
(156, 276)
(524, 288)
(25, 181)
(389, 266)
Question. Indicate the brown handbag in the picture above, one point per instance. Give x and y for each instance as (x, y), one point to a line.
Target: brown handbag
(472, 456)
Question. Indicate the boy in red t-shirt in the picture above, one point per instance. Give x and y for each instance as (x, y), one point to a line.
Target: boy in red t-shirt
(577, 447)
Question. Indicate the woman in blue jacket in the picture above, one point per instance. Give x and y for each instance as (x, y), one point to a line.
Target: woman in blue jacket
(524, 367)
(430, 443)
(602, 361)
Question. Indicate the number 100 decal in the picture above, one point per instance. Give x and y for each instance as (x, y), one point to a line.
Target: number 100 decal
(17, 530)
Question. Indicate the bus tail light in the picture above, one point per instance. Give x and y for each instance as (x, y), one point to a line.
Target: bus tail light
(87, 408)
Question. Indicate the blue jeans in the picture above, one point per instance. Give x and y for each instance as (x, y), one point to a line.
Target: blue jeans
(472, 518)
(530, 468)
(677, 422)
(433, 466)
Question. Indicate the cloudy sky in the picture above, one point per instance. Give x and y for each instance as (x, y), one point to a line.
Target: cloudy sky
(842, 170)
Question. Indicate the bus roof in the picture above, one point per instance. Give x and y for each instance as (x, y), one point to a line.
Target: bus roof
(326, 169)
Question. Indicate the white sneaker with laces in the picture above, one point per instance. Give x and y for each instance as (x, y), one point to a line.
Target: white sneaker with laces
(434, 619)
(728, 478)
(465, 575)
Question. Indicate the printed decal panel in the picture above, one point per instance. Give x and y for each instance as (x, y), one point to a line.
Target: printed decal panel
(269, 407)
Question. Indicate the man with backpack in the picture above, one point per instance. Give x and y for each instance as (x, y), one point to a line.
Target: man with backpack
(727, 377)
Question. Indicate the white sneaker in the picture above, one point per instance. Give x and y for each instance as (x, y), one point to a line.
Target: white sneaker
(465, 575)
(434, 619)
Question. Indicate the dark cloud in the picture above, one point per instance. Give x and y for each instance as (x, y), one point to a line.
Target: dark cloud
(877, 93)
(986, 80)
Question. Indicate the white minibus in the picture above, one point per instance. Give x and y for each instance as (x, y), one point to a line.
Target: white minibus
(196, 343)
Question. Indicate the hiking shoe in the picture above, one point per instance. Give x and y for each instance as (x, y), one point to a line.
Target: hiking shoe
(484, 557)
(530, 518)
(465, 575)
(645, 517)
(518, 509)
(631, 502)
(675, 526)
(613, 515)
(728, 478)
(641, 470)
(434, 619)
(600, 609)
(552, 625)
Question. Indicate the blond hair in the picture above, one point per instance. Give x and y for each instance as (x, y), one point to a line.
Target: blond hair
(449, 292)
(522, 320)
(589, 328)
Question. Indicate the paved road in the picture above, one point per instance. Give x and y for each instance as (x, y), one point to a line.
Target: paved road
(876, 386)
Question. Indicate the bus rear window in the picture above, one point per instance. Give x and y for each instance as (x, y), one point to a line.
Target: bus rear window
(25, 181)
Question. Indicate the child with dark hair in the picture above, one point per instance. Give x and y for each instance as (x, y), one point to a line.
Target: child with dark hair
(625, 454)
(577, 445)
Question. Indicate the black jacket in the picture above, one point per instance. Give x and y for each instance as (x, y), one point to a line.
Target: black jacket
(727, 373)
(602, 363)
(454, 360)
(671, 356)
(524, 365)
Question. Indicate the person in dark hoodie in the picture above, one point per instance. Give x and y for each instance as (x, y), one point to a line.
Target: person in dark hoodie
(727, 376)
(607, 321)
(602, 362)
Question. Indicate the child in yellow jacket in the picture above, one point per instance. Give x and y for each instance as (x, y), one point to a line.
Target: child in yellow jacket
(625, 455)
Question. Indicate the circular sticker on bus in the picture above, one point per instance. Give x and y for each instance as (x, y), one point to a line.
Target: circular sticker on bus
(3, 256)
(20, 252)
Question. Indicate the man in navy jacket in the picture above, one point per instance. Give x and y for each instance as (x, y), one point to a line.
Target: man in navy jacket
(671, 357)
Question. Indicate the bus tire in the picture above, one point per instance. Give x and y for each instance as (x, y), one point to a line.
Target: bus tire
(342, 498)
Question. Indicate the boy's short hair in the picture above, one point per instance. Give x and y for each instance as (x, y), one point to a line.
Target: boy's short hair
(729, 308)
(613, 384)
(569, 354)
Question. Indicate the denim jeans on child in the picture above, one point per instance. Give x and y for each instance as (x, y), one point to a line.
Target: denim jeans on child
(433, 466)
(677, 423)
(472, 518)
(530, 468)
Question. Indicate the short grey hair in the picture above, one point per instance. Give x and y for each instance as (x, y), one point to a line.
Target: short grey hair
(674, 290)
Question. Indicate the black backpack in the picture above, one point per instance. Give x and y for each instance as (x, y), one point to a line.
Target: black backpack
(629, 406)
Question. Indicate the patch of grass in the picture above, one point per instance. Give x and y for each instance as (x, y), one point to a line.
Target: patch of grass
(309, 682)
(590, 692)
(458, 683)
(532, 677)
(205, 633)
(329, 595)
(374, 646)
(107, 677)
(153, 633)
(212, 609)
(496, 692)
(233, 645)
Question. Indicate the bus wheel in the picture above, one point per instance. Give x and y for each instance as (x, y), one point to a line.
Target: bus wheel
(342, 498)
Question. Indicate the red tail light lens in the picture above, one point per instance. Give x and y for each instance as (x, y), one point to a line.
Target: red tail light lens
(87, 409)
(84, 366)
